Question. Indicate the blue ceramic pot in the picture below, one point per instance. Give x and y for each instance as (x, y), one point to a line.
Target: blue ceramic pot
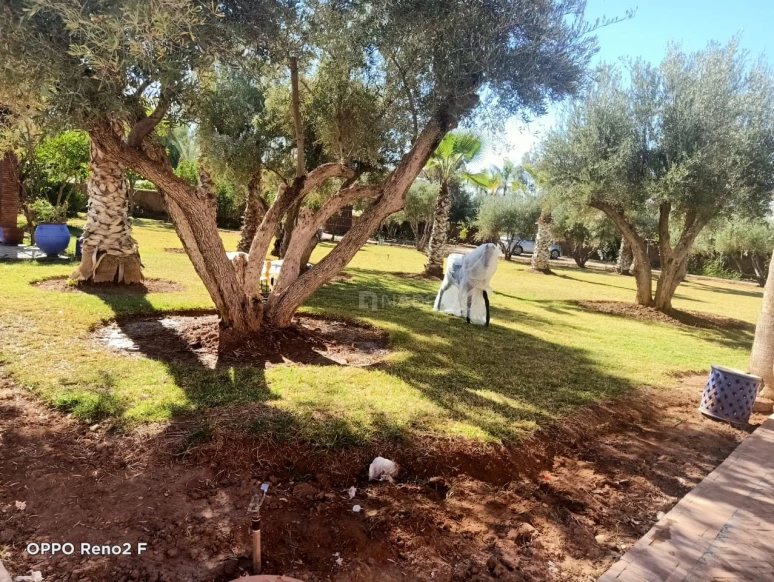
(52, 238)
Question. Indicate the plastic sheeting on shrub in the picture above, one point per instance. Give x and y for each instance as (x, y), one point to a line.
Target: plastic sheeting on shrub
(465, 287)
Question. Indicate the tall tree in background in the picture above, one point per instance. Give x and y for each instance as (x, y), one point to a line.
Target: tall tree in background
(745, 238)
(234, 141)
(684, 142)
(507, 219)
(132, 61)
(448, 163)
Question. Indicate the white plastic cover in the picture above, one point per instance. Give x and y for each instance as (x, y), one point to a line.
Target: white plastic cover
(467, 277)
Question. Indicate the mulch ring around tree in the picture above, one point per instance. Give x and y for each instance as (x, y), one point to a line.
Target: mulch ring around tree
(194, 338)
(675, 317)
(64, 284)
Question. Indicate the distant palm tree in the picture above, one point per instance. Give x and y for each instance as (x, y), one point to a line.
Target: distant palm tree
(449, 162)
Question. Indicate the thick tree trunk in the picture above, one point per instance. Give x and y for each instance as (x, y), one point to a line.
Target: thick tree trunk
(542, 253)
(641, 268)
(581, 254)
(255, 210)
(110, 253)
(674, 261)
(759, 267)
(762, 357)
(625, 258)
(434, 265)
(672, 274)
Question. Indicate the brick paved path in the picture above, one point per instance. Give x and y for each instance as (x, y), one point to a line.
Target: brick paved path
(722, 530)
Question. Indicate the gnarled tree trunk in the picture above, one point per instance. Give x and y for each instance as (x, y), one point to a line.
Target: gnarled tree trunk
(110, 253)
(439, 232)
(542, 253)
(641, 268)
(625, 258)
(674, 261)
(235, 286)
(762, 357)
(255, 210)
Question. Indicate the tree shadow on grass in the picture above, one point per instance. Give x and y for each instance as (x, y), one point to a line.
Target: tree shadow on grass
(498, 381)
(494, 381)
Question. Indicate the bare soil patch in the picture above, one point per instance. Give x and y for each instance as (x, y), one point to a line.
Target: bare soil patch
(675, 317)
(563, 505)
(175, 250)
(194, 338)
(147, 286)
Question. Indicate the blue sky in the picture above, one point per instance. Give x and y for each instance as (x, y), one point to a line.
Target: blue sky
(692, 23)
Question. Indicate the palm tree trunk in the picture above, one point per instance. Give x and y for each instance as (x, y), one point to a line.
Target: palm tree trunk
(625, 258)
(542, 253)
(110, 253)
(762, 357)
(435, 247)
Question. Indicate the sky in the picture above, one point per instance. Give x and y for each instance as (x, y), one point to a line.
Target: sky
(656, 23)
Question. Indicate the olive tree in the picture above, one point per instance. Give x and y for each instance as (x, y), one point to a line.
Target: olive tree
(584, 230)
(507, 219)
(683, 142)
(418, 212)
(747, 238)
(123, 67)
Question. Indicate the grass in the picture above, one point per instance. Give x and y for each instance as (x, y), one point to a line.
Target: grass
(542, 357)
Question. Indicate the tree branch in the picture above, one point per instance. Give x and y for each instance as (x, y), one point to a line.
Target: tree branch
(146, 125)
(664, 245)
(288, 195)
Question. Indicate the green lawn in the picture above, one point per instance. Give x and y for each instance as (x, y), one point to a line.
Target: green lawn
(542, 357)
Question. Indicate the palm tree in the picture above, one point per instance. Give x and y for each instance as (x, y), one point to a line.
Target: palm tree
(762, 358)
(449, 162)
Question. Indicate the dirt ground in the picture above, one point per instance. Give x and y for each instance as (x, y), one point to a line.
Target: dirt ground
(675, 317)
(563, 505)
(194, 337)
(147, 286)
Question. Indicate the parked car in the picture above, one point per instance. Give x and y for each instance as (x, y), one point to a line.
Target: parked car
(519, 246)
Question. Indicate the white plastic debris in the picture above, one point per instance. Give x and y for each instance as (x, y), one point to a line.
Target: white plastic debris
(552, 567)
(465, 282)
(339, 560)
(36, 576)
(352, 491)
(660, 515)
(382, 469)
(356, 508)
(21, 505)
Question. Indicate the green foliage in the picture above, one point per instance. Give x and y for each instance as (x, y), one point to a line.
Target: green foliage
(64, 157)
(232, 125)
(144, 185)
(418, 211)
(188, 170)
(584, 230)
(229, 210)
(716, 267)
(464, 206)
(452, 156)
(44, 211)
(745, 235)
(696, 133)
(505, 219)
